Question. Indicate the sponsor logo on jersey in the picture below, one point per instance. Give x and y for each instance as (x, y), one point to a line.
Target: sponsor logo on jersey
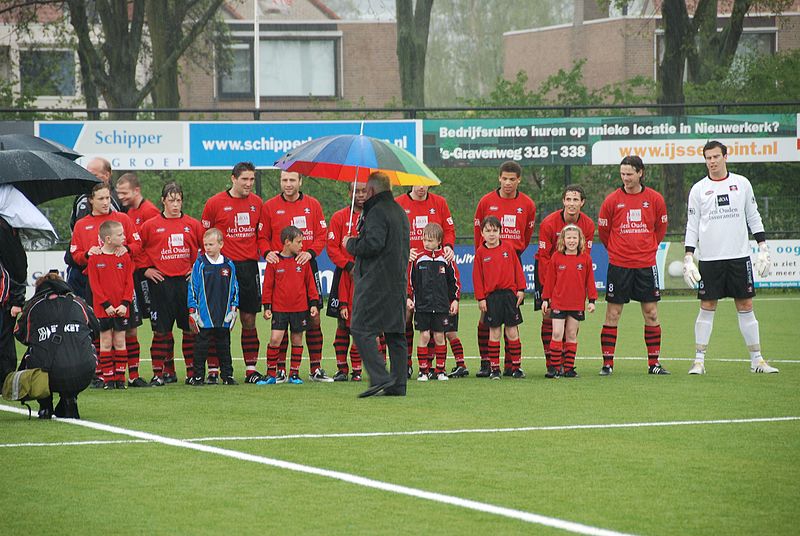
(709, 192)
(160, 229)
(101, 265)
(227, 209)
(493, 208)
(620, 205)
(280, 212)
(723, 200)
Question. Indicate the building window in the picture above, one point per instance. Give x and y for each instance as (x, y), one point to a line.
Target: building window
(298, 68)
(237, 82)
(47, 73)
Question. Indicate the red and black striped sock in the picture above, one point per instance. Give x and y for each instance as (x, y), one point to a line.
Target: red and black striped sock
(608, 344)
(132, 346)
(158, 352)
(547, 336)
(458, 351)
(272, 360)
(570, 349)
(507, 365)
(187, 348)
(213, 358)
(441, 357)
(409, 342)
(282, 349)
(423, 359)
(483, 344)
(314, 343)
(556, 351)
(652, 338)
(250, 346)
(493, 353)
(120, 364)
(169, 358)
(355, 359)
(514, 349)
(297, 357)
(107, 365)
(340, 343)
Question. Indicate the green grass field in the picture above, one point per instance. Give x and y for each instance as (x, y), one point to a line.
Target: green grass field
(631, 453)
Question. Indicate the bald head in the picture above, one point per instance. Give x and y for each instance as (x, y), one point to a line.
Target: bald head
(100, 168)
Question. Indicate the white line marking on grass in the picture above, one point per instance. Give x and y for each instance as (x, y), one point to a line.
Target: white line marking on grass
(670, 300)
(570, 526)
(75, 443)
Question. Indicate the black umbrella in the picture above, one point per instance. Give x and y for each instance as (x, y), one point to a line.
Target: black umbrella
(26, 142)
(44, 176)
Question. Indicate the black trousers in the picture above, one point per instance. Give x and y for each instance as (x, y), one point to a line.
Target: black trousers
(222, 339)
(373, 361)
(8, 351)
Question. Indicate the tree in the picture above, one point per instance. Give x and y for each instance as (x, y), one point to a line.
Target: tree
(413, 25)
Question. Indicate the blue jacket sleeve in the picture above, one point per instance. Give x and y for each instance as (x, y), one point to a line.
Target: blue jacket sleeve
(195, 284)
(234, 299)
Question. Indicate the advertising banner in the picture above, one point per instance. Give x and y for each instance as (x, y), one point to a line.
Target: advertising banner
(607, 140)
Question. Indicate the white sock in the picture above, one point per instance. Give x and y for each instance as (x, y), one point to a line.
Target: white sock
(748, 325)
(702, 332)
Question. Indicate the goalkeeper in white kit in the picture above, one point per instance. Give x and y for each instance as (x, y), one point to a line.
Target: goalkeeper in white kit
(722, 208)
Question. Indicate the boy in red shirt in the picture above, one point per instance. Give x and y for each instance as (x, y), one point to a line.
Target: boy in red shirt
(499, 288)
(570, 279)
(289, 297)
(345, 294)
(110, 273)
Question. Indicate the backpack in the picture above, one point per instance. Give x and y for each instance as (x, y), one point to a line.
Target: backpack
(25, 385)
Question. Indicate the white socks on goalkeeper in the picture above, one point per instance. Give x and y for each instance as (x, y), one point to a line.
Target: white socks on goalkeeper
(748, 325)
(702, 333)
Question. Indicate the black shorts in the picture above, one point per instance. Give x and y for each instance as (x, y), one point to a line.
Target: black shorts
(142, 287)
(297, 321)
(429, 321)
(249, 286)
(555, 314)
(502, 310)
(638, 284)
(538, 287)
(115, 323)
(451, 323)
(729, 278)
(168, 305)
(134, 313)
(317, 281)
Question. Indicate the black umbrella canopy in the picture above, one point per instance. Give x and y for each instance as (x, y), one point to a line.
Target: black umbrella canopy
(26, 142)
(44, 176)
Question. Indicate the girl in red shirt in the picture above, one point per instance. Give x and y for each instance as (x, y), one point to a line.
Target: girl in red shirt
(570, 280)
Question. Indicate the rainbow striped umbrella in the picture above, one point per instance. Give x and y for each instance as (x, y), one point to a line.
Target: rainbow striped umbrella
(350, 157)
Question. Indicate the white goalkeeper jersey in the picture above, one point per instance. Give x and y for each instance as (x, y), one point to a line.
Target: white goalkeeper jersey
(720, 213)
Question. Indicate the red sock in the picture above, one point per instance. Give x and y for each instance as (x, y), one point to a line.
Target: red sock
(158, 352)
(314, 343)
(652, 338)
(282, 352)
(570, 349)
(272, 360)
(423, 359)
(107, 365)
(297, 357)
(169, 359)
(213, 358)
(340, 343)
(382, 347)
(410, 341)
(132, 346)
(483, 344)
(507, 364)
(458, 351)
(556, 349)
(514, 349)
(187, 348)
(608, 343)
(355, 359)
(441, 358)
(547, 336)
(120, 364)
(493, 354)
(250, 350)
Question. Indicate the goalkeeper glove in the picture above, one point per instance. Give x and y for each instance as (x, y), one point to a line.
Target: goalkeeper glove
(195, 323)
(690, 272)
(231, 318)
(763, 263)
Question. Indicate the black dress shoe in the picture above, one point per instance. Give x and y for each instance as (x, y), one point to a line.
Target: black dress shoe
(375, 389)
(391, 392)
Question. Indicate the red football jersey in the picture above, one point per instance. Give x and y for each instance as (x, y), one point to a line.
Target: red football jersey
(237, 218)
(570, 281)
(432, 209)
(305, 213)
(111, 281)
(87, 234)
(548, 238)
(496, 268)
(341, 225)
(171, 244)
(288, 286)
(632, 226)
(517, 215)
(139, 215)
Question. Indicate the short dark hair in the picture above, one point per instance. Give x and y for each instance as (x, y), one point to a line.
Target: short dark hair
(512, 167)
(99, 186)
(108, 227)
(713, 144)
(241, 167)
(574, 188)
(380, 181)
(634, 161)
(290, 232)
(492, 222)
(171, 188)
(130, 178)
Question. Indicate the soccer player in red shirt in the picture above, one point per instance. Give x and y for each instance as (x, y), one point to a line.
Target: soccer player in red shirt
(235, 212)
(423, 207)
(290, 299)
(343, 223)
(293, 207)
(499, 286)
(517, 215)
(570, 281)
(110, 271)
(631, 224)
(573, 198)
(171, 241)
(139, 210)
